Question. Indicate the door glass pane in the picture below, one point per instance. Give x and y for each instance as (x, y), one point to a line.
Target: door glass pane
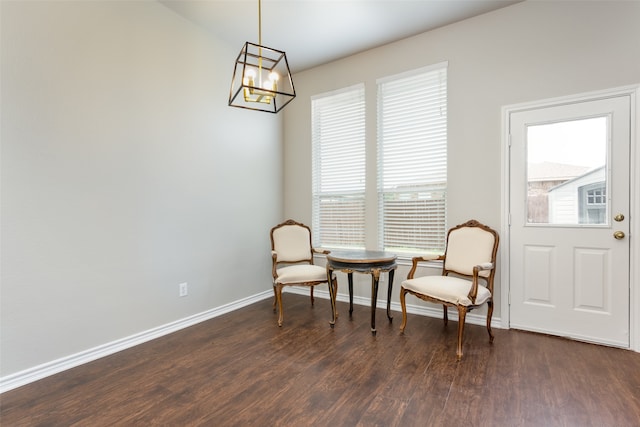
(566, 172)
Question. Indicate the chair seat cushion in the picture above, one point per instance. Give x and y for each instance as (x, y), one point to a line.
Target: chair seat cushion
(301, 273)
(445, 288)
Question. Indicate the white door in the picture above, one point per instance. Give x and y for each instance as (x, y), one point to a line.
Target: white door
(569, 220)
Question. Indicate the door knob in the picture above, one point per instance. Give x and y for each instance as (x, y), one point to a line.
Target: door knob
(618, 235)
(619, 217)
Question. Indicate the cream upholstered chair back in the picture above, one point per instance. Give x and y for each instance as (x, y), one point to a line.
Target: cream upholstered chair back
(468, 247)
(292, 242)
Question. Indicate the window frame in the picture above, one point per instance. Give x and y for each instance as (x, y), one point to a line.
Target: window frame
(430, 239)
(371, 216)
(347, 232)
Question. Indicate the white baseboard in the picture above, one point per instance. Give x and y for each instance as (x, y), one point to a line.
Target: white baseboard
(30, 375)
(435, 311)
(35, 373)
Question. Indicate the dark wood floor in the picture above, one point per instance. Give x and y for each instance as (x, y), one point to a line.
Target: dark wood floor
(240, 369)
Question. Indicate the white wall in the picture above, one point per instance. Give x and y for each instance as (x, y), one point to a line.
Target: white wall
(525, 52)
(124, 173)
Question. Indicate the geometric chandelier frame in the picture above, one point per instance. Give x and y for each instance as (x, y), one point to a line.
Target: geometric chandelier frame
(257, 83)
(261, 77)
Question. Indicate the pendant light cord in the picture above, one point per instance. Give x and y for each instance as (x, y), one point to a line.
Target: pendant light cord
(260, 22)
(260, 43)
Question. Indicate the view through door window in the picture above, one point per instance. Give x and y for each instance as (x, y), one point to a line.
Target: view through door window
(567, 173)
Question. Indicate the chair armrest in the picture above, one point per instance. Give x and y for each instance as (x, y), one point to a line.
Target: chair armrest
(418, 259)
(320, 251)
(483, 266)
(274, 262)
(473, 292)
(429, 257)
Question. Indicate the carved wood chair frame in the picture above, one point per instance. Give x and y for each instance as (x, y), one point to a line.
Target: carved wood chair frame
(276, 264)
(475, 278)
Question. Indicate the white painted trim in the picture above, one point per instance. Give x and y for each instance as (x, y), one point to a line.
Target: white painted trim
(634, 291)
(433, 67)
(571, 99)
(435, 311)
(35, 373)
(44, 370)
(634, 216)
(505, 228)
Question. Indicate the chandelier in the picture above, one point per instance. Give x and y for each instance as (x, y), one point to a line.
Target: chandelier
(261, 77)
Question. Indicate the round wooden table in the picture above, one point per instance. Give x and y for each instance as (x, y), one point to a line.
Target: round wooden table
(362, 261)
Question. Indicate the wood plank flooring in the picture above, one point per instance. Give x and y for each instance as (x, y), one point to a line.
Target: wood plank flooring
(240, 369)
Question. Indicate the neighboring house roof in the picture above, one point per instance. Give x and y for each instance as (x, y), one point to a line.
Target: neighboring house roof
(548, 171)
(569, 182)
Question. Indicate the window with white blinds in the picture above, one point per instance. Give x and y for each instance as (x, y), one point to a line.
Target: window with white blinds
(338, 138)
(412, 161)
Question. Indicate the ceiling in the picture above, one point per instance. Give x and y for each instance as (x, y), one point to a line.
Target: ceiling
(314, 32)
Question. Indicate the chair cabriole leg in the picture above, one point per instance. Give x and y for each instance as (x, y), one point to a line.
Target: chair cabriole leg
(403, 304)
(445, 316)
(462, 314)
(279, 297)
(489, 314)
(312, 300)
(275, 298)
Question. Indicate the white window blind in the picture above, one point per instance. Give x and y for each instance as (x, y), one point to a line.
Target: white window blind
(412, 161)
(338, 138)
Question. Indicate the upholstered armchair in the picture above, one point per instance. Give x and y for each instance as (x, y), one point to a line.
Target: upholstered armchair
(292, 261)
(467, 275)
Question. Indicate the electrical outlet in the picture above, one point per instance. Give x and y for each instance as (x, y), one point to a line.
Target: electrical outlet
(183, 289)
